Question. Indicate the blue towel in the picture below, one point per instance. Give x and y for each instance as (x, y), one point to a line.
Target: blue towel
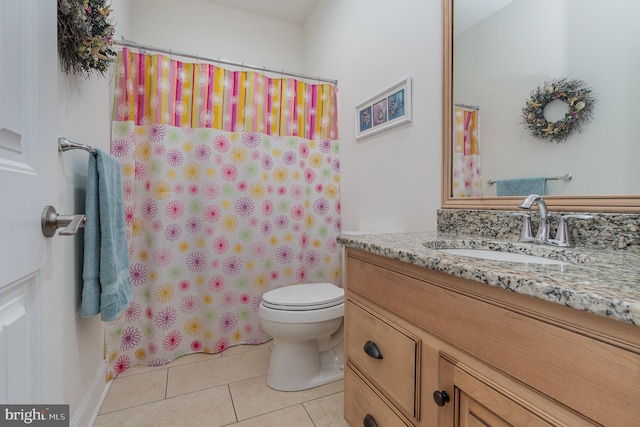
(107, 282)
(522, 186)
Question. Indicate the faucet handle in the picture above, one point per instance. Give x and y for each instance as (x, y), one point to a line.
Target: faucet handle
(525, 234)
(562, 234)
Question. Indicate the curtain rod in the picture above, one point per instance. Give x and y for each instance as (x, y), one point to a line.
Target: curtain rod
(129, 43)
(473, 107)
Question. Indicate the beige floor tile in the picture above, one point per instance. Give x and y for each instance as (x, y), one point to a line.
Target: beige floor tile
(211, 407)
(201, 396)
(135, 390)
(292, 416)
(327, 411)
(215, 372)
(232, 351)
(253, 397)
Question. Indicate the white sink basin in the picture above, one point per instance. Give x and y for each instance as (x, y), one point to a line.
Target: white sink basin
(501, 256)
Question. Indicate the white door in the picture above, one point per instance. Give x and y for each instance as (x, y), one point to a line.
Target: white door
(30, 295)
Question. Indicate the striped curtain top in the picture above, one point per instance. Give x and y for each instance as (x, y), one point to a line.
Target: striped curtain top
(466, 131)
(154, 89)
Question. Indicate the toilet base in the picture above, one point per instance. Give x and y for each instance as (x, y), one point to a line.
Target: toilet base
(299, 366)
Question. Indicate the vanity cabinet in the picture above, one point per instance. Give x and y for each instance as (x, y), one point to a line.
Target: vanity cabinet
(426, 348)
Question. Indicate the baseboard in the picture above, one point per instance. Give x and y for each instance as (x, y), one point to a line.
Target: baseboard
(87, 411)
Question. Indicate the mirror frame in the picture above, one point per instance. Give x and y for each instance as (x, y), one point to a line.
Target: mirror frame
(625, 203)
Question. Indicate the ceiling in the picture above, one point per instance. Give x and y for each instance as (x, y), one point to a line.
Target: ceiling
(293, 11)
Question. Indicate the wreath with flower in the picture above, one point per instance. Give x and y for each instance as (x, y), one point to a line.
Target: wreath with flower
(575, 93)
(85, 36)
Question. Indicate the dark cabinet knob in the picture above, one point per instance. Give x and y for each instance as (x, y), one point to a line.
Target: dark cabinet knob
(369, 421)
(441, 397)
(372, 350)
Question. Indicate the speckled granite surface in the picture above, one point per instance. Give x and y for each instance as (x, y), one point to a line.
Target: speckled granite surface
(603, 282)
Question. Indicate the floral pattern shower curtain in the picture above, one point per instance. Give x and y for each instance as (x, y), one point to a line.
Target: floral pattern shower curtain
(467, 177)
(231, 186)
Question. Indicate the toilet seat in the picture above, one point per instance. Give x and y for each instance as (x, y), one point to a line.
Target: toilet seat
(304, 297)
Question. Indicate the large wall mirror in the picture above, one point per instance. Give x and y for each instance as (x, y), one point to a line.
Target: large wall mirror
(495, 54)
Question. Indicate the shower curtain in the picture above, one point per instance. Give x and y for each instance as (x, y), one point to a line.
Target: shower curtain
(231, 186)
(466, 179)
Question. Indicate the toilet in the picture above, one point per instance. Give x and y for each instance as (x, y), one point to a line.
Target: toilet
(306, 323)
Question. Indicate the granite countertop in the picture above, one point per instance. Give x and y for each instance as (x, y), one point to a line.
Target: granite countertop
(603, 282)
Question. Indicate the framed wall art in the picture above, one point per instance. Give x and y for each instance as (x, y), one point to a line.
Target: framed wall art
(385, 110)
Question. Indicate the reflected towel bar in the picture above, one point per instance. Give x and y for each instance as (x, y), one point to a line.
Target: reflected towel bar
(567, 177)
(65, 145)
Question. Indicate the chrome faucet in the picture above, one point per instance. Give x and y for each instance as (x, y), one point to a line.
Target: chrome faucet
(542, 236)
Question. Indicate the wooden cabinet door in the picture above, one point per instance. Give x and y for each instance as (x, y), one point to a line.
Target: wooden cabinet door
(473, 414)
(476, 403)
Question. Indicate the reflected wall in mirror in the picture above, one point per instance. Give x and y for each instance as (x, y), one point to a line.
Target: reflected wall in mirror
(495, 54)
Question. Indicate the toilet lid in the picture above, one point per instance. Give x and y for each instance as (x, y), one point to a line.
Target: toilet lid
(307, 296)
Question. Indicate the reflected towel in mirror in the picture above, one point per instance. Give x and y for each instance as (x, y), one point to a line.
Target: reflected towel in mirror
(522, 186)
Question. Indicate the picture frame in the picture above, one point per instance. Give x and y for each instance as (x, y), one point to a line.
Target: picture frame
(386, 110)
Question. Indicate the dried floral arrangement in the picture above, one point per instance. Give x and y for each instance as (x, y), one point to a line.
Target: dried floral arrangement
(85, 36)
(577, 96)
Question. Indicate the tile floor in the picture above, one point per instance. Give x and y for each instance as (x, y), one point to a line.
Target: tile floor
(226, 389)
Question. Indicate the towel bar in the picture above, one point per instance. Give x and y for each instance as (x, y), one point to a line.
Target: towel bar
(51, 221)
(566, 177)
(65, 145)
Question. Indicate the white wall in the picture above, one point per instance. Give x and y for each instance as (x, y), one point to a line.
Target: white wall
(207, 29)
(389, 181)
(588, 40)
(84, 110)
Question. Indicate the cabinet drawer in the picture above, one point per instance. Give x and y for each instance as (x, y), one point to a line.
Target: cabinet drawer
(361, 402)
(395, 373)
